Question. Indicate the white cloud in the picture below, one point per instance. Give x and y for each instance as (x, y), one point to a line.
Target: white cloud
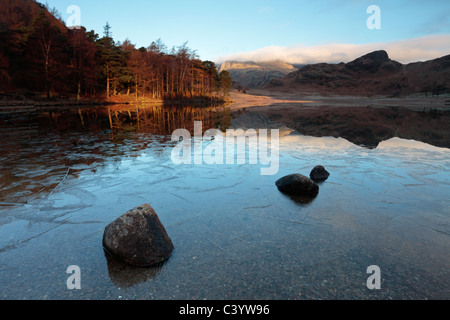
(405, 51)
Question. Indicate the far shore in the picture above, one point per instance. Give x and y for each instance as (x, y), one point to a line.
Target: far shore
(361, 119)
(295, 101)
(257, 99)
(18, 102)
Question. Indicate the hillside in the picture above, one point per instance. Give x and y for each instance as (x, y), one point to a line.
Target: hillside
(371, 74)
(256, 74)
(26, 27)
(42, 59)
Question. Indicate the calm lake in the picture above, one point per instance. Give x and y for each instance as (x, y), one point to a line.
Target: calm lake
(66, 175)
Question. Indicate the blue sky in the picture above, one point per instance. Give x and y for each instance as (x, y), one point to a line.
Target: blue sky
(220, 29)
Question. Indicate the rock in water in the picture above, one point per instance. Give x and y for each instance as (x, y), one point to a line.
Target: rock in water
(138, 238)
(319, 174)
(297, 184)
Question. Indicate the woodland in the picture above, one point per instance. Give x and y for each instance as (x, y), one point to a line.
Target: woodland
(41, 56)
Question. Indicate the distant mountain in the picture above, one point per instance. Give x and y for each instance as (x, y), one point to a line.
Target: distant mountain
(298, 66)
(252, 74)
(373, 73)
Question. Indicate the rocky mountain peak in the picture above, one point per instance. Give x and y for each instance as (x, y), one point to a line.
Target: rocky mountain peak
(373, 73)
(379, 56)
(372, 62)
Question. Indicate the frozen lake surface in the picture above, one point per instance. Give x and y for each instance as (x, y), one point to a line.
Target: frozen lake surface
(235, 235)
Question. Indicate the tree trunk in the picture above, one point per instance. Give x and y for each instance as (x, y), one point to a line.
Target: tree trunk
(107, 82)
(136, 90)
(79, 90)
(47, 87)
(107, 88)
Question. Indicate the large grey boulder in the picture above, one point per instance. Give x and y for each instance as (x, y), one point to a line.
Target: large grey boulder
(297, 184)
(138, 238)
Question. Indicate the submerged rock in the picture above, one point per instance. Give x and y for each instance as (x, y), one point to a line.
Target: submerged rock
(138, 238)
(319, 174)
(297, 184)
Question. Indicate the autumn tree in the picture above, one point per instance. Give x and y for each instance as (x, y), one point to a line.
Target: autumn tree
(39, 53)
(159, 63)
(211, 76)
(15, 31)
(226, 82)
(184, 56)
(111, 59)
(83, 59)
(51, 43)
(175, 74)
(4, 60)
(138, 63)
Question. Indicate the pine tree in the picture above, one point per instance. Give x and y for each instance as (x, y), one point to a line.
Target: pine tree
(226, 82)
(111, 59)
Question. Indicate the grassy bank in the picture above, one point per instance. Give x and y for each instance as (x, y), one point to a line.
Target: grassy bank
(34, 99)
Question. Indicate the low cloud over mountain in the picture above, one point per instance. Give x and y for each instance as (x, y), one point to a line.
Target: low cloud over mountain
(255, 75)
(373, 73)
(406, 51)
